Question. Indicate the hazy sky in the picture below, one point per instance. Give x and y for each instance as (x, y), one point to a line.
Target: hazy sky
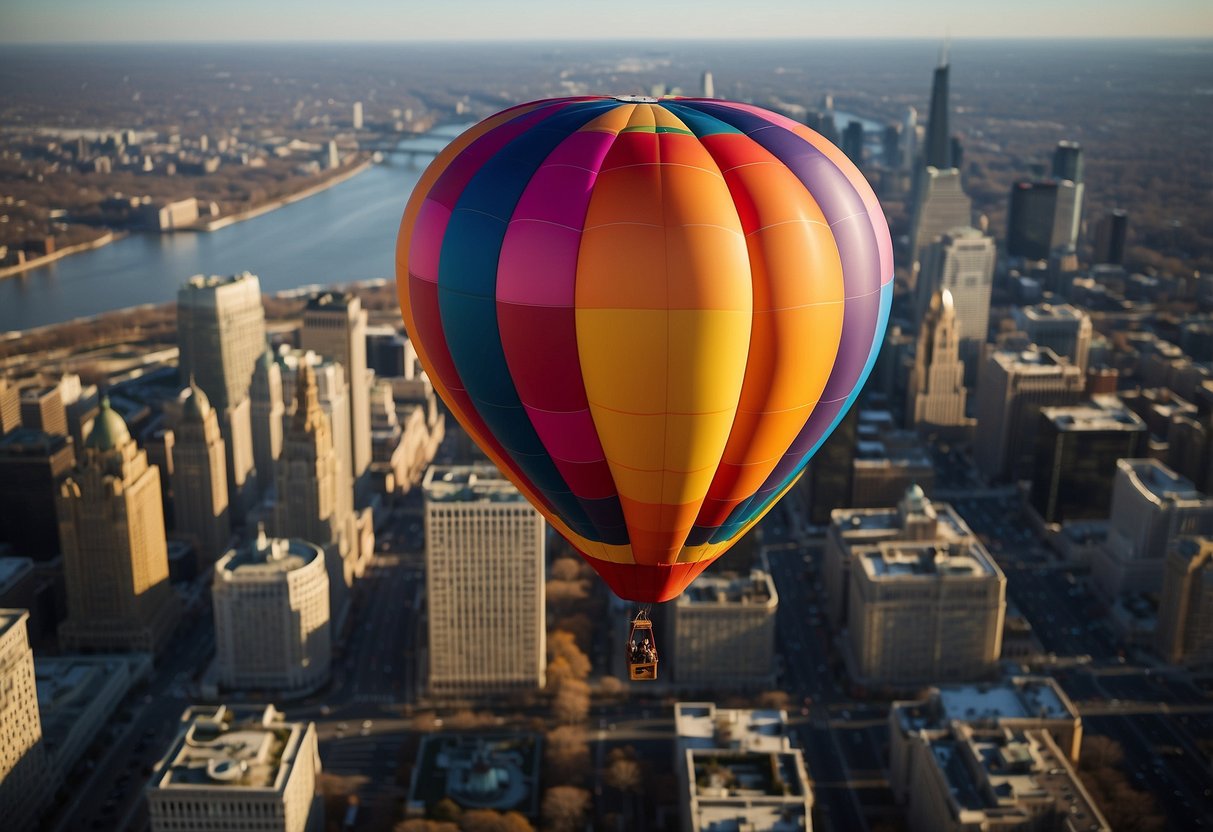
(42, 21)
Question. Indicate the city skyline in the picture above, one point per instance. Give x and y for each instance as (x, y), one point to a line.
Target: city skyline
(75, 21)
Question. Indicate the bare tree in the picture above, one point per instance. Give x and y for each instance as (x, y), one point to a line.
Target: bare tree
(562, 645)
(564, 808)
(567, 755)
(572, 702)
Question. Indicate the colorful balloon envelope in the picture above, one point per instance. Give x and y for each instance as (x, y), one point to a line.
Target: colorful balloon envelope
(648, 313)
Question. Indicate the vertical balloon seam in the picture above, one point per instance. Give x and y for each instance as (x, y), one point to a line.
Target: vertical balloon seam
(480, 361)
(604, 535)
(732, 115)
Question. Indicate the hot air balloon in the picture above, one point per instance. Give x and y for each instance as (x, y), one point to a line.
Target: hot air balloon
(648, 313)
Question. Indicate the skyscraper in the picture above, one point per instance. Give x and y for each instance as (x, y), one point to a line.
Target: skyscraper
(334, 325)
(1063, 328)
(356, 116)
(221, 332)
(1011, 389)
(267, 413)
(1077, 448)
(32, 464)
(307, 500)
(25, 782)
(940, 206)
(1110, 236)
(936, 395)
(852, 142)
(200, 504)
(42, 408)
(1151, 507)
(909, 139)
(1067, 161)
(1185, 610)
(708, 88)
(961, 261)
(115, 557)
(938, 150)
(484, 563)
(1043, 216)
(271, 602)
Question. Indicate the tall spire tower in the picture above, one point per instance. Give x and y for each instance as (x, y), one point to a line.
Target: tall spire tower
(936, 397)
(938, 152)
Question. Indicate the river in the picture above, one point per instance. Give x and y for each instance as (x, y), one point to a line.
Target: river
(343, 234)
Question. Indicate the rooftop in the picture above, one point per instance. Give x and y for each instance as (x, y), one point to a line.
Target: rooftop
(331, 302)
(1160, 481)
(1102, 413)
(1020, 697)
(267, 557)
(1040, 361)
(755, 589)
(1048, 312)
(1000, 775)
(236, 747)
(897, 560)
(200, 281)
(469, 484)
(492, 771)
(702, 725)
(9, 619)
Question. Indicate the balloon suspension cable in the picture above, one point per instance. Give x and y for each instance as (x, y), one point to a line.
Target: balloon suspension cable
(643, 612)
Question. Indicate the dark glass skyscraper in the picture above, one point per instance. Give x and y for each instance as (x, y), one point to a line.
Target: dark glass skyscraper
(852, 142)
(938, 152)
(1067, 161)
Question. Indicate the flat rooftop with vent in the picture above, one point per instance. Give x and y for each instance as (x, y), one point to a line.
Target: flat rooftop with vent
(232, 763)
(468, 484)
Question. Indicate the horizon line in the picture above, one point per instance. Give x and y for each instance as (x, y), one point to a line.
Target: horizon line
(612, 40)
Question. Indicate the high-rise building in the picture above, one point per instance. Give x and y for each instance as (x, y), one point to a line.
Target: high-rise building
(200, 505)
(271, 602)
(915, 519)
(484, 558)
(1063, 328)
(267, 413)
(387, 351)
(221, 332)
(1111, 233)
(938, 150)
(1043, 216)
(307, 503)
(980, 776)
(115, 555)
(739, 769)
(1151, 507)
(1077, 448)
(1185, 611)
(909, 139)
(707, 88)
(25, 782)
(852, 142)
(940, 205)
(42, 409)
(724, 632)
(332, 159)
(1012, 388)
(10, 406)
(936, 394)
(961, 260)
(334, 325)
(887, 462)
(921, 612)
(1067, 161)
(32, 464)
(356, 117)
(237, 767)
(890, 146)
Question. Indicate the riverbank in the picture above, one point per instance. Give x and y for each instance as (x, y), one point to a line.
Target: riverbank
(104, 240)
(273, 205)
